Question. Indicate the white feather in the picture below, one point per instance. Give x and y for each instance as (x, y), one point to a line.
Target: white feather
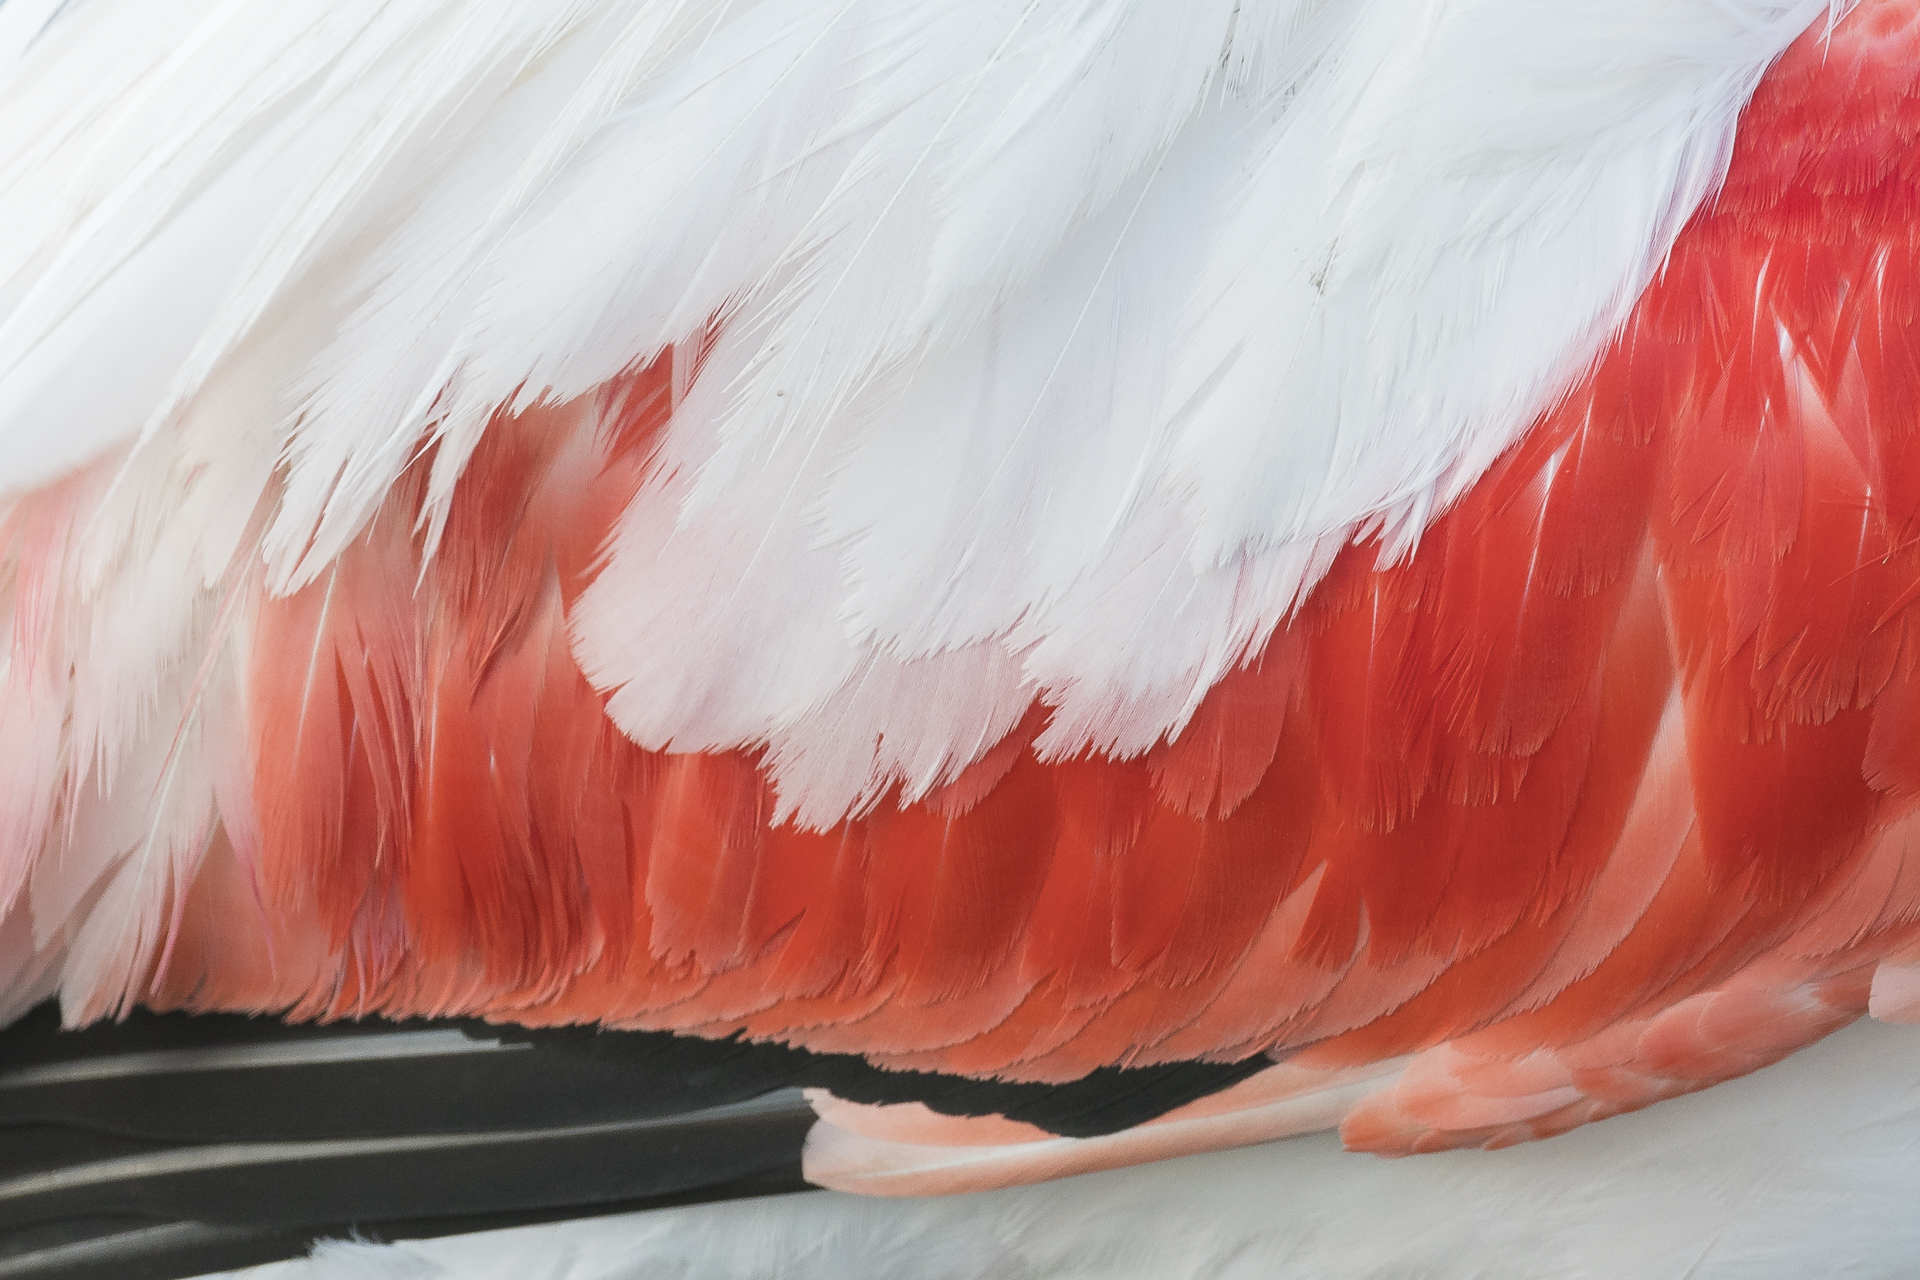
(1117, 418)
(1060, 343)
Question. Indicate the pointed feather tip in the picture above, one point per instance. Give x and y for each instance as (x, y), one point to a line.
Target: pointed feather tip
(905, 1150)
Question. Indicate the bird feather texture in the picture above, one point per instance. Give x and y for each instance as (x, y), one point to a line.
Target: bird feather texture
(1008, 538)
(418, 215)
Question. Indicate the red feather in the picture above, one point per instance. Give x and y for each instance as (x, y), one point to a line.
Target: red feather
(1587, 800)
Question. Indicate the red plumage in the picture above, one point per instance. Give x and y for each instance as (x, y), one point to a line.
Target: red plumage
(1597, 795)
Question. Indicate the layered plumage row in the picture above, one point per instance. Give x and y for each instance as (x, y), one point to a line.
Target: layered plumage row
(1008, 539)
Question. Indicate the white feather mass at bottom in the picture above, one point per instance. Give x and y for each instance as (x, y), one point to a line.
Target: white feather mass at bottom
(1807, 1168)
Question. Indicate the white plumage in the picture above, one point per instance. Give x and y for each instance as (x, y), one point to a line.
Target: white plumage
(1067, 341)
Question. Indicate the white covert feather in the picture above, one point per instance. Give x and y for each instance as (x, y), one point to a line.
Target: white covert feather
(1060, 343)
(1112, 406)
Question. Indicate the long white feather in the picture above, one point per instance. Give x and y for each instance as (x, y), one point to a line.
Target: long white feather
(1117, 418)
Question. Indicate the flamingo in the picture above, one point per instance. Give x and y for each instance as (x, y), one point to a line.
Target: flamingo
(1087, 581)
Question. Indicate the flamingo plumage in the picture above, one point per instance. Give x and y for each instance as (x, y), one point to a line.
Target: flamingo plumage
(1260, 567)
